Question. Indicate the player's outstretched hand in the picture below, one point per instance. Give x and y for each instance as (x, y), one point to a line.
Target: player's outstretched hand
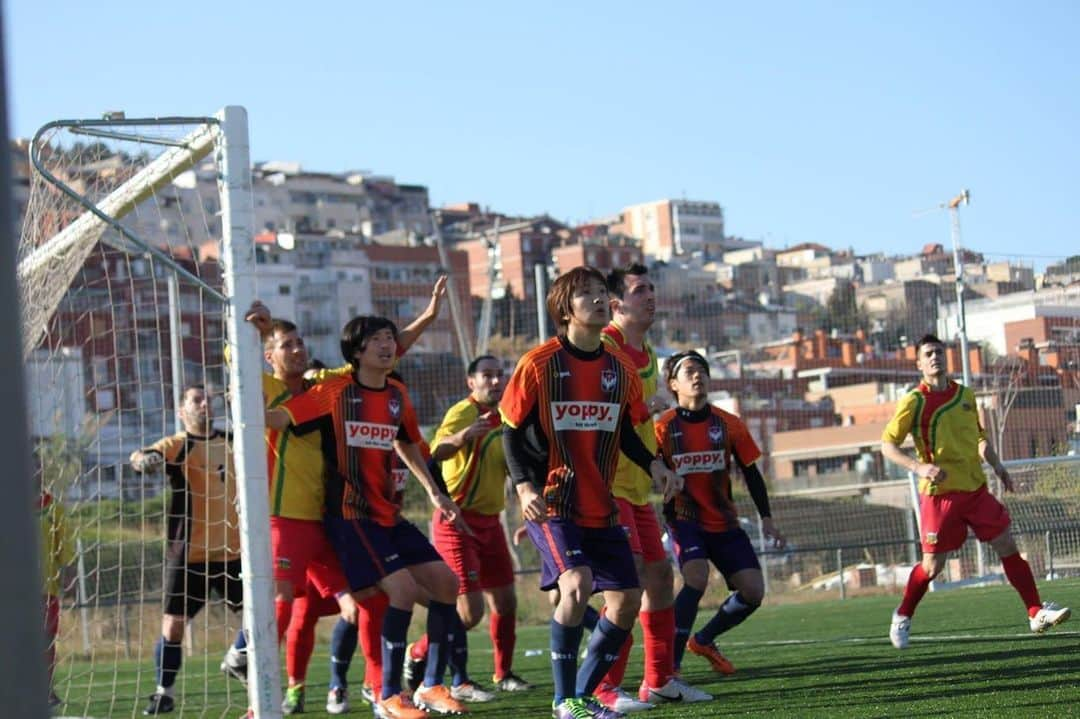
(259, 315)
(665, 480)
(450, 512)
(932, 472)
(438, 294)
(533, 507)
(768, 528)
(145, 461)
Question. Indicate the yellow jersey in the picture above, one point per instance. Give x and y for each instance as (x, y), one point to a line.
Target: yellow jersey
(475, 475)
(946, 430)
(631, 482)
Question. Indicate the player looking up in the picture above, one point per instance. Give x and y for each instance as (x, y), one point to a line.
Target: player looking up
(942, 417)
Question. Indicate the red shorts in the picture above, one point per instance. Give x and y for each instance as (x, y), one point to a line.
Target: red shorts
(642, 529)
(481, 561)
(302, 552)
(946, 517)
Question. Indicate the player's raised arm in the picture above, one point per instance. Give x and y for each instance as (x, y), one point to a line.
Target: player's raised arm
(408, 335)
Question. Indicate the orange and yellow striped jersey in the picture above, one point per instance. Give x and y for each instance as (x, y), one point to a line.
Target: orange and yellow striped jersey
(632, 483)
(475, 475)
(945, 427)
(358, 426)
(578, 400)
(699, 446)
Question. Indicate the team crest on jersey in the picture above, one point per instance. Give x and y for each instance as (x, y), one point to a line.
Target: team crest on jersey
(716, 433)
(395, 407)
(608, 380)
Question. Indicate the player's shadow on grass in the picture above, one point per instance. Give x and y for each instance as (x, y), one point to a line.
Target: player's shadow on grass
(910, 666)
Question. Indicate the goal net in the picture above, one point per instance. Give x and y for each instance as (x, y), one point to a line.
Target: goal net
(134, 252)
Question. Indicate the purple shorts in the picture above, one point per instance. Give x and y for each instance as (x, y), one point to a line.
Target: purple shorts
(369, 551)
(729, 551)
(564, 545)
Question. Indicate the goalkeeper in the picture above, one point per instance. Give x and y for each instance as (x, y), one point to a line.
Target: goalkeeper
(203, 535)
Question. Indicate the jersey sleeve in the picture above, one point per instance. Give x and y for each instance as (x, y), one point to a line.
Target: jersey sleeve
(520, 394)
(635, 400)
(325, 373)
(167, 447)
(457, 418)
(314, 404)
(742, 443)
(898, 428)
(660, 429)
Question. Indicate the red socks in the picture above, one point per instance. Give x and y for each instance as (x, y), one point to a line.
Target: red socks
(658, 635)
(300, 641)
(918, 583)
(283, 613)
(503, 637)
(1018, 572)
(372, 611)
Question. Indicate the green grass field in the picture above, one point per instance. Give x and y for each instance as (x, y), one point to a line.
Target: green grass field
(971, 655)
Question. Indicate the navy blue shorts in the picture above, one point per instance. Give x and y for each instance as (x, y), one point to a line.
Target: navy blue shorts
(729, 551)
(564, 545)
(369, 551)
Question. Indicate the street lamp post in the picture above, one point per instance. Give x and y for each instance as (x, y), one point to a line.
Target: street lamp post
(954, 211)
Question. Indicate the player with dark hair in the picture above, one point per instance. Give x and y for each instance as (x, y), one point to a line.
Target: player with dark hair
(363, 419)
(633, 308)
(203, 539)
(568, 410)
(300, 547)
(703, 444)
(943, 419)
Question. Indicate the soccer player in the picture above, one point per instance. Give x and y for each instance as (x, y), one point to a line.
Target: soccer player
(703, 443)
(363, 419)
(57, 552)
(468, 443)
(203, 542)
(568, 411)
(942, 418)
(299, 544)
(633, 307)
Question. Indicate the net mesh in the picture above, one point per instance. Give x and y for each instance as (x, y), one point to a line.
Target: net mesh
(113, 332)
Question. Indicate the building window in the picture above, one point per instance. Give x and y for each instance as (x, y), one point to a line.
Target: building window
(284, 290)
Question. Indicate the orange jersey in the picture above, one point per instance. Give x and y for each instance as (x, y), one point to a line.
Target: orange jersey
(358, 425)
(579, 400)
(699, 446)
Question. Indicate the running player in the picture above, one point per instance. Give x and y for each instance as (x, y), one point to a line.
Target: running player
(704, 443)
(943, 419)
(567, 412)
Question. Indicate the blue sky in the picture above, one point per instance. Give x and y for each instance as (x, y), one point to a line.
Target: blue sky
(824, 122)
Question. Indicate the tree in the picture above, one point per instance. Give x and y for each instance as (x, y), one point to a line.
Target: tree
(841, 311)
(1006, 376)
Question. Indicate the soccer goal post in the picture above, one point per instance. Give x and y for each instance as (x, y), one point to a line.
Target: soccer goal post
(135, 266)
